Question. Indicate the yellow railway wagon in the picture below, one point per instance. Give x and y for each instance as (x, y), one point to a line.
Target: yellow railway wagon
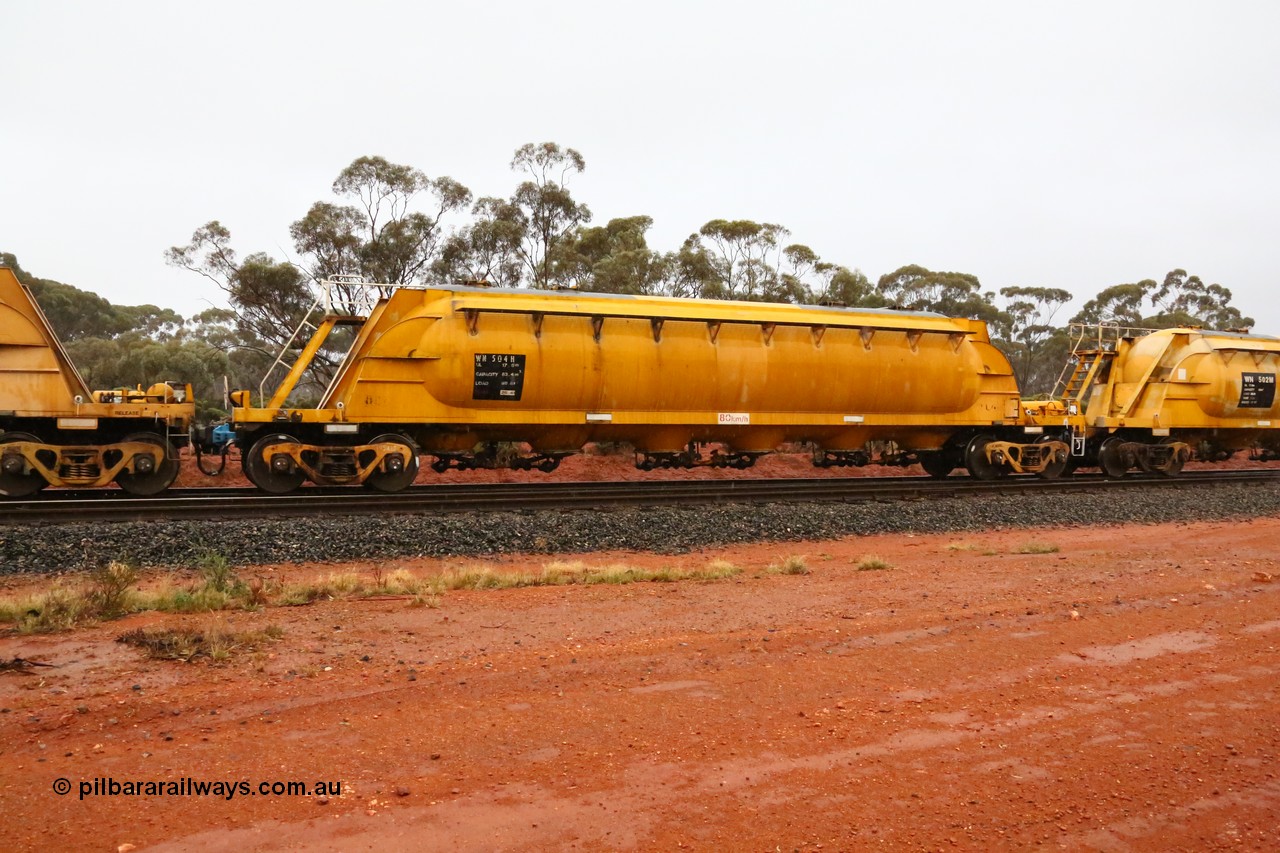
(454, 372)
(54, 431)
(1154, 398)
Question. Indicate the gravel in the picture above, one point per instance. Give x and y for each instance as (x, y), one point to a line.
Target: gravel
(671, 529)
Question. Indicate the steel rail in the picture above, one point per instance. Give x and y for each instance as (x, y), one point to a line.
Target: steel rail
(65, 507)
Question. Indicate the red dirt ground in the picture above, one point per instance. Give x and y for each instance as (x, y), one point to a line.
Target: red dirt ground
(1119, 694)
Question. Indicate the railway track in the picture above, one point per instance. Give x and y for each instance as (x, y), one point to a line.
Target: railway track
(62, 507)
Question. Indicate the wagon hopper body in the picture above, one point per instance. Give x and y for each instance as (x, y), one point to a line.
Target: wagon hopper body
(1211, 391)
(54, 431)
(1151, 400)
(451, 371)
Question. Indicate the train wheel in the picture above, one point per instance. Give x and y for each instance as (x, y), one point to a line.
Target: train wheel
(1114, 461)
(1055, 468)
(975, 459)
(13, 482)
(147, 477)
(269, 466)
(397, 479)
(938, 464)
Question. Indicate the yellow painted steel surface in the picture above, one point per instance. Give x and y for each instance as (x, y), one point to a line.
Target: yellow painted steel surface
(558, 370)
(36, 377)
(53, 431)
(1190, 379)
(38, 380)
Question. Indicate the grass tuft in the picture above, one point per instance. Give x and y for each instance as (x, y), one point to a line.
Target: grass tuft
(794, 565)
(187, 644)
(564, 574)
(872, 563)
(401, 582)
(717, 569)
(1038, 548)
(107, 593)
(202, 599)
(59, 609)
(110, 591)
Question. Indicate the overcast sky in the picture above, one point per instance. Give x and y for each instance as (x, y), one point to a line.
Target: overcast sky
(1073, 145)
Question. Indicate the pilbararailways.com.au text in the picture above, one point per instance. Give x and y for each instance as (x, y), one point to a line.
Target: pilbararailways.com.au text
(107, 786)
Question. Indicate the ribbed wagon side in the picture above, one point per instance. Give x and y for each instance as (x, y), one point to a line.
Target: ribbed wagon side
(454, 372)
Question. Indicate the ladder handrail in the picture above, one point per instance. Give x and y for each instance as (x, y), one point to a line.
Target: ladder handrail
(1108, 334)
(1104, 337)
(304, 322)
(1073, 361)
(355, 296)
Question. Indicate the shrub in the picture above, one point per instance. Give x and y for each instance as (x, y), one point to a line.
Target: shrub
(110, 588)
(216, 570)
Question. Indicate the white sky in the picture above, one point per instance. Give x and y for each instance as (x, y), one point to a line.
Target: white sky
(1073, 145)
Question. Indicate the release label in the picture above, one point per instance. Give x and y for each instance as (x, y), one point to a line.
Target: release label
(499, 376)
(1257, 390)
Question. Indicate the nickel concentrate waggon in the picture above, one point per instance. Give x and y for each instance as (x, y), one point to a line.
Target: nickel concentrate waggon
(55, 431)
(463, 374)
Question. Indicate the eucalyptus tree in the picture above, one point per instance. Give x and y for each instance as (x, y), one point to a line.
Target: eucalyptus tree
(1185, 300)
(1179, 300)
(1117, 305)
(744, 257)
(270, 297)
(688, 271)
(486, 250)
(613, 258)
(1036, 347)
(808, 278)
(73, 313)
(849, 287)
(390, 230)
(543, 207)
(955, 294)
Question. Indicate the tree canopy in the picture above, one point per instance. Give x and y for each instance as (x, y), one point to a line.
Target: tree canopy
(1180, 300)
